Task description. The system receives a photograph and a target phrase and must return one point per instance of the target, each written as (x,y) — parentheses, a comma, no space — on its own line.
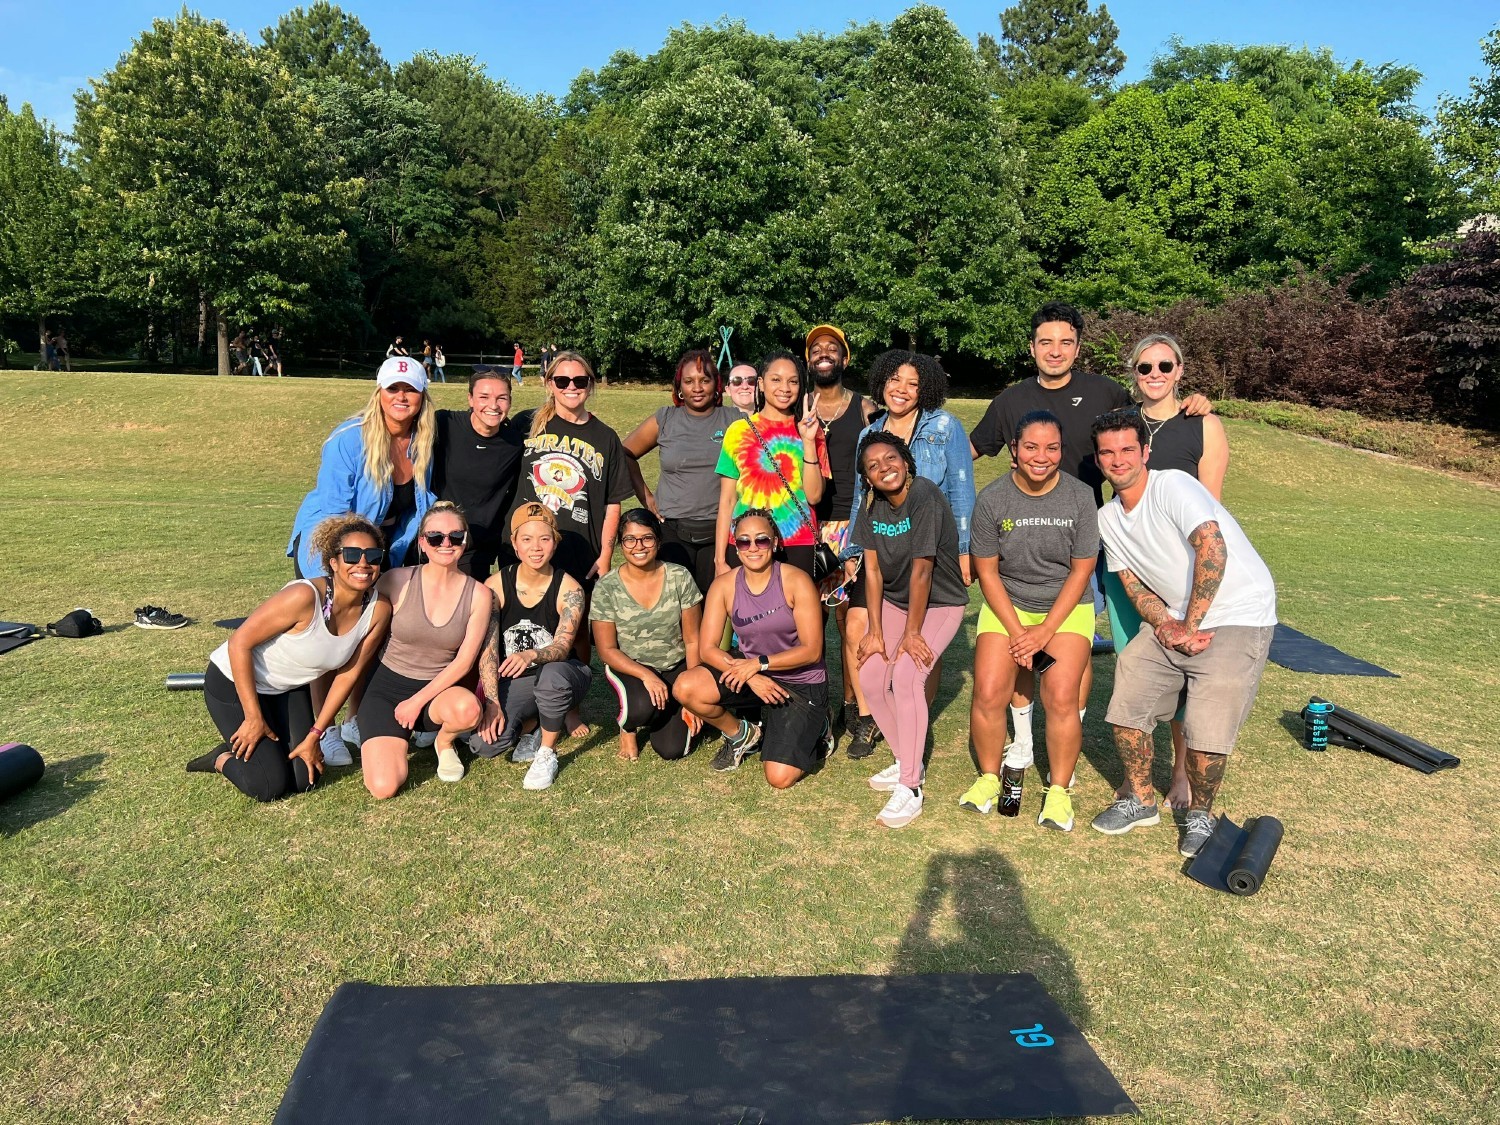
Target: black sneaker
(864,733)
(733,752)
(155,617)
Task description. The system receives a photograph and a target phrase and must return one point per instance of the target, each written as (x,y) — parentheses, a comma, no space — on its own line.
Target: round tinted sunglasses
(741,380)
(1166,367)
(759,542)
(352,555)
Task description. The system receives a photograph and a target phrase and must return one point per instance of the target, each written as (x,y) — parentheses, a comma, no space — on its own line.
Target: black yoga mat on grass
(1301,653)
(755,1049)
(1235,860)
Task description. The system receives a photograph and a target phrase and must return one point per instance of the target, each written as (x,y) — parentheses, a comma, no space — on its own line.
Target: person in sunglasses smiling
(274,687)
(427,672)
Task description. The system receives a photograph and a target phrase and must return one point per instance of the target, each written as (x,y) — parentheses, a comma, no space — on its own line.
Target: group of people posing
(456,569)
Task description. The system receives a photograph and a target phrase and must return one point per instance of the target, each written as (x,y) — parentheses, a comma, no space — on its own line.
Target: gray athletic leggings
(546,695)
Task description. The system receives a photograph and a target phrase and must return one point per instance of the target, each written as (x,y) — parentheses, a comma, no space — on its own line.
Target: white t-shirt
(1151,541)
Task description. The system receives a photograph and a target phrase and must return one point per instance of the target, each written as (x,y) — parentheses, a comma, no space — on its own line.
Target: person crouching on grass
(778,619)
(425,678)
(527,668)
(645,618)
(278,682)
(916,595)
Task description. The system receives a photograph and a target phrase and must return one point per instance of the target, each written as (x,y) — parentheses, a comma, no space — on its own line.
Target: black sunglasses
(759,542)
(577,382)
(742,380)
(353,555)
(1166,367)
(435,538)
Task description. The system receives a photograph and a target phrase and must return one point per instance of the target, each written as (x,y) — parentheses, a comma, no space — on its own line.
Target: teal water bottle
(1315,724)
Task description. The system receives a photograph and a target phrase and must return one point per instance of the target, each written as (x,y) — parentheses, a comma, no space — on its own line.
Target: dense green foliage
(921,188)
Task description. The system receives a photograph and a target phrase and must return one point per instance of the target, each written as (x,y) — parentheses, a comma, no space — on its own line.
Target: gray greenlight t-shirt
(688,444)
(1036,538)
(923,527)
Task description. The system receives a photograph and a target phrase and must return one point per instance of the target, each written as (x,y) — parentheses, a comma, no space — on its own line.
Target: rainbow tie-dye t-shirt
(747,461)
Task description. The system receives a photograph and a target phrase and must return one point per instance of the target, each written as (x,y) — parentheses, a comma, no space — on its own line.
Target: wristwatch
(765,663)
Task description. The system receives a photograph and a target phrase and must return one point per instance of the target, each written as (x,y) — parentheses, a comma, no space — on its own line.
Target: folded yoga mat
(1235,860)
(1302,653)
(14,634)
(758,1049)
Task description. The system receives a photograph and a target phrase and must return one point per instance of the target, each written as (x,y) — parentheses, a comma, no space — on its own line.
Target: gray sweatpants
(546,695)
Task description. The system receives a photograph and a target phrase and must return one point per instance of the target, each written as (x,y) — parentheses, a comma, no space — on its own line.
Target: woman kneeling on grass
(645,618)
(527,666)
(915,590)
(778,619)
(425,679)
(280,679)
(1035,539)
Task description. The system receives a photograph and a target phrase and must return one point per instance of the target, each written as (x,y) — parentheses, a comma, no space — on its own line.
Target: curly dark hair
(932,380)
(884,437)
(329,535)
(1057,311)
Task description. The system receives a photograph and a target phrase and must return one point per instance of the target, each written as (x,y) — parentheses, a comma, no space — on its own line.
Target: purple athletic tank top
(765,626)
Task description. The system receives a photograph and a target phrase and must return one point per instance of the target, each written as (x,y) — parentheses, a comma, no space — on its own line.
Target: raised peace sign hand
(808,425)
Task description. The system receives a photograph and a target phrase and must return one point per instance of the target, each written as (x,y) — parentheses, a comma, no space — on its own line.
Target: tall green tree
(324,41)
(706,221)
(1468,129)
(40,273)
(1066,39)
(926,227)
(203,179)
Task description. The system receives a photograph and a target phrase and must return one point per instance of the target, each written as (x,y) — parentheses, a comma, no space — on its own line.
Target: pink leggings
(896,691)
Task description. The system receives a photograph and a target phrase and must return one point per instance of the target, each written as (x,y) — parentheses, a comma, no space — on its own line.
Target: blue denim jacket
(941,450)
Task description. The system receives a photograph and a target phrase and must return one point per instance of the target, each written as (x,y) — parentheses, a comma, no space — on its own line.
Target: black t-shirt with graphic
(1076,405)
(479,473)
(922,527)
(577,471)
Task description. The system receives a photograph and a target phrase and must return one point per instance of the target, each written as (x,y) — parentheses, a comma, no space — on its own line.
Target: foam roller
(21,767)
(185,681)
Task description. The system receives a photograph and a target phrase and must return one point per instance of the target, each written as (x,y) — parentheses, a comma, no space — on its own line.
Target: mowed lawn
(166,945)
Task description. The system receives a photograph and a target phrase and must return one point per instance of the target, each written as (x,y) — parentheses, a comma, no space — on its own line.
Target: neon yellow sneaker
(982,795)
(1057,810)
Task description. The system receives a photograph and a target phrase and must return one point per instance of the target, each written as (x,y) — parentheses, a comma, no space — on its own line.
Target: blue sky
(54,46)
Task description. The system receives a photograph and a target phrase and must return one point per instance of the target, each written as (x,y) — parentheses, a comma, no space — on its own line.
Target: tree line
(917,188)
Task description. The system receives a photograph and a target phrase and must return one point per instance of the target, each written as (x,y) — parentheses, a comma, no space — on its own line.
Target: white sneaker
(1018,757)
(527,746)
(904,807)
(335,753)
(450,765)
(350,731)
(887,779)
(424,739)
(543,771)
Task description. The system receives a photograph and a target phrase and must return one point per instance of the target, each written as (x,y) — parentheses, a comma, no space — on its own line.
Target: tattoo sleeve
(1152,609)
(1211,555)
(1135,749)
(569,618)
(489,658)
(1205,775)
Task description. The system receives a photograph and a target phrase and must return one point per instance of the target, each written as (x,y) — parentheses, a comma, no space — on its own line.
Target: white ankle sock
(1020,719)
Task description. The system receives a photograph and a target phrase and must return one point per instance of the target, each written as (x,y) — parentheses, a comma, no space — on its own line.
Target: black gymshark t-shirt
(477,473)
(1076,405)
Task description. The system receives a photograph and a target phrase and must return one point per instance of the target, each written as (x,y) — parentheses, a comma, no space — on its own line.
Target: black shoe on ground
(155,617)
(863,733)
(204,763)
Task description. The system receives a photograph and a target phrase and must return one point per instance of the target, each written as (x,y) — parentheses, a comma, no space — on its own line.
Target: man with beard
(843,413)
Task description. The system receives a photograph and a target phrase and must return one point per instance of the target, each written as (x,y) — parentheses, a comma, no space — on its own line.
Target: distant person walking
(427,364)
(60,352)
(516,361)
(440,362)
(273,355)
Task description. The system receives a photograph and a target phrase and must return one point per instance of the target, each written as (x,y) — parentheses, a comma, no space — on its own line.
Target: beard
(830,377)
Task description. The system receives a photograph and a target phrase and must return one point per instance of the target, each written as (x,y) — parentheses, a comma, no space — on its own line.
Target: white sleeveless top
(295,659)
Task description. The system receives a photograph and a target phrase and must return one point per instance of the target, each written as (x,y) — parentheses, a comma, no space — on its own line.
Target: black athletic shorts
(791,732)
(377,710)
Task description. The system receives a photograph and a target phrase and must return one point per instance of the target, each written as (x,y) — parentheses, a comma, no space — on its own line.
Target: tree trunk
(911,342)
(202,323)
(222,329)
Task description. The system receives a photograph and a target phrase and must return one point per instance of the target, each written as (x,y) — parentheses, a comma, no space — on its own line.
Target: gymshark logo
(1077,400)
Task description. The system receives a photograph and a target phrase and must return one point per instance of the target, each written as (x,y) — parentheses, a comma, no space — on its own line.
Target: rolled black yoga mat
(185,681)
(21,767)
(838,1049)
(1236,860)
(1343,732)
(1439,758)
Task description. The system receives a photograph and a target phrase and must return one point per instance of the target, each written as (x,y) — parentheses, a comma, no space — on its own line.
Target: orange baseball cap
(824,330)
(532,513)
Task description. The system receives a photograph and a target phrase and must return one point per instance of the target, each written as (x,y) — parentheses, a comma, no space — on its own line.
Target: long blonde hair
(377,441)
(548,410)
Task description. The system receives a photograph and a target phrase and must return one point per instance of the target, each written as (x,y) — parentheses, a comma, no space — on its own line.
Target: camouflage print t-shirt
(652,637)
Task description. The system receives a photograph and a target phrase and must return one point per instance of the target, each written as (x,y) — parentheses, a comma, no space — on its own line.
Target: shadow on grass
(971,917)
(59,790)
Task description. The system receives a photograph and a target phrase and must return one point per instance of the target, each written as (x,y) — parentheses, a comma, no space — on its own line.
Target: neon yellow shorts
(1080,621)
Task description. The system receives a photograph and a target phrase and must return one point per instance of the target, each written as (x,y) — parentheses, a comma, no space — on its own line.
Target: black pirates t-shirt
(576,470)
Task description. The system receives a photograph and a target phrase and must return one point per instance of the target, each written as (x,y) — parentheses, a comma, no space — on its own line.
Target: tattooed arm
(1152,609)
(1210,555)
(569,619)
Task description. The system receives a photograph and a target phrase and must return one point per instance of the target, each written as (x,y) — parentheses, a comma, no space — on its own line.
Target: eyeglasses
(1166,367)
(759,542)
(637,540)
(577,382)
(435,538)
(741,380)
(353,555)
(839,595)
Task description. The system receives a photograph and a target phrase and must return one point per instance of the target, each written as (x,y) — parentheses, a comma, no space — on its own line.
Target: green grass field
(166,945)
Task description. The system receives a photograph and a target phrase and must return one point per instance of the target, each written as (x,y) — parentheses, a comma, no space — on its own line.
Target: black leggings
(667,729)
(690,544)
(269,773)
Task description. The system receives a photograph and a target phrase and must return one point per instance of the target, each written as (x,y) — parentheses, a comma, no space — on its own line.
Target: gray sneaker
(527,746)
(1125,814)
(1197,827)
(733,752)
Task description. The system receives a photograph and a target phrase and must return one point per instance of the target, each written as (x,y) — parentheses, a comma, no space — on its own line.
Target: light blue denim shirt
(941,450)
